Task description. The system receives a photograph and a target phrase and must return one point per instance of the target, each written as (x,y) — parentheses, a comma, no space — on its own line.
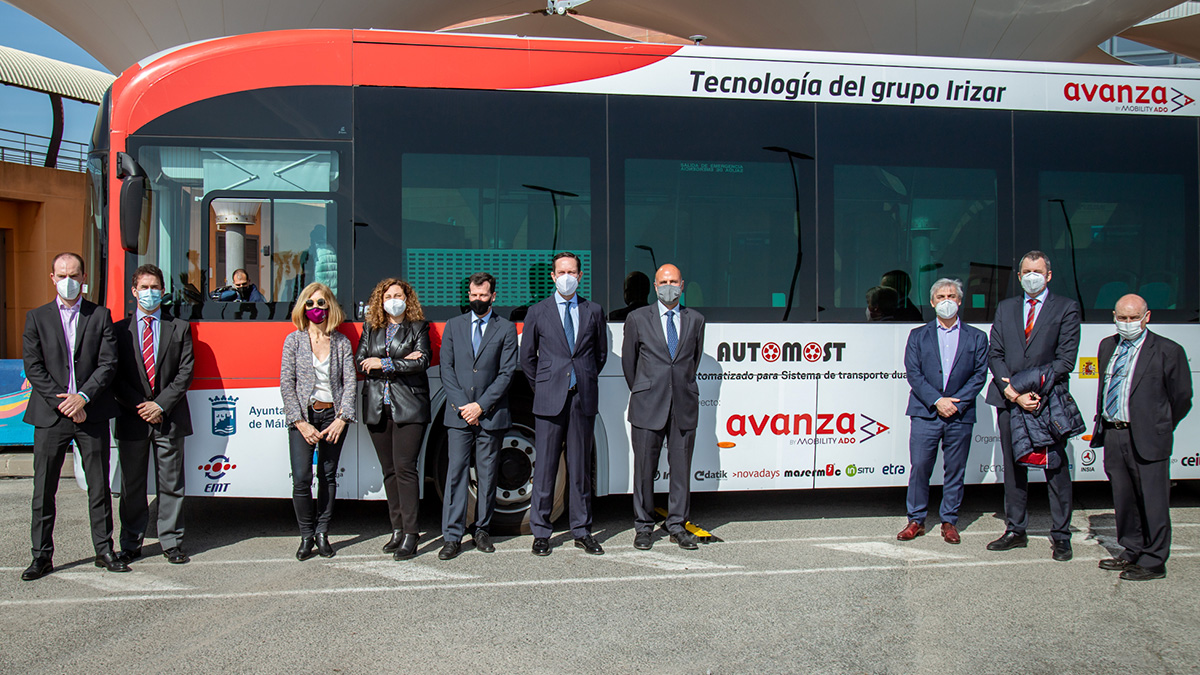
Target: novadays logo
(224,415)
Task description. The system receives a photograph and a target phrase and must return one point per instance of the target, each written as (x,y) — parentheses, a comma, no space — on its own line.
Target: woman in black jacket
(394,355)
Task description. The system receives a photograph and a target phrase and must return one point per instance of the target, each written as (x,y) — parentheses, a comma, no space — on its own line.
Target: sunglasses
(319,302)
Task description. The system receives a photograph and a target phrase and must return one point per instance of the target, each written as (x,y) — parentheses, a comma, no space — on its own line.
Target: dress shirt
(69,315)
(1037,309)
(947,347)
(486,318)
(1127,383)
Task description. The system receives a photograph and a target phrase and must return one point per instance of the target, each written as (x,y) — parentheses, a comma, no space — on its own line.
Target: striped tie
(1029,321)
(148,350)
(1112,398)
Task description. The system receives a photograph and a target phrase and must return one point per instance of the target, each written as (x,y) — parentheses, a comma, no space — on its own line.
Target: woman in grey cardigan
(317,381)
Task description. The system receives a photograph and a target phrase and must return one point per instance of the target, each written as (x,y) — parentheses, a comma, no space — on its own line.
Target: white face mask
(1130,330)
(394,306)
(149,299)
(68,288)
(946,309)
(1033,283)
(566,284)
(668,294)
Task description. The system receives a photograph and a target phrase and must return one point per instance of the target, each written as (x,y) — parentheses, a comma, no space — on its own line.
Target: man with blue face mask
(1145,391)
(154,373)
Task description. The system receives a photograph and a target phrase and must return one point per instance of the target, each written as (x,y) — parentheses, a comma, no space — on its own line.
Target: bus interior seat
(1158,295)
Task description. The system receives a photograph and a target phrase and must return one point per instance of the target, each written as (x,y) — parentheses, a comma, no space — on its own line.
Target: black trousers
(50,445)
(484,446)
(398,446)
(1141,500)
(314,517)
(647,447)
(169,478)
(574,428)
(1016,486)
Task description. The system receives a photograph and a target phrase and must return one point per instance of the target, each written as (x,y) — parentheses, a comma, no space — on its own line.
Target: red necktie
(148,350)
(1029,321)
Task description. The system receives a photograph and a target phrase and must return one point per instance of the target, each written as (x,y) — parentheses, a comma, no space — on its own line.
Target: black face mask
(480,307)
(243,292)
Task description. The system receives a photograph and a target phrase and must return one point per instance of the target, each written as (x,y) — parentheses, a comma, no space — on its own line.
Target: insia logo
(1127,93)
(216,469)
(780,351)
(805,426)
(224,415)
(1087,457)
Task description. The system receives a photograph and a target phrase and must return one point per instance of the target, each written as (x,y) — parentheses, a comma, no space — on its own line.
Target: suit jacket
(657,383)
(407,383)
(173,363)
(44,350)
(546,360)
(483,378)
(1160,395)
(1054,339)
(298,378)
(968,372)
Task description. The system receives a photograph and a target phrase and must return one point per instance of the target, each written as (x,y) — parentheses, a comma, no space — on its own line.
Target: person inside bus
(881,303)
(636,290)
(317,382)
(946,364)
(241,290)
(394,354)
(899,281)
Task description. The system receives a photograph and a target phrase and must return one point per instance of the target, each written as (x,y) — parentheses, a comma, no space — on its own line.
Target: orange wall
(43,212)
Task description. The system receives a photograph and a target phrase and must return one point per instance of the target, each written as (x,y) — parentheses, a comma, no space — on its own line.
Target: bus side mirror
(133,194)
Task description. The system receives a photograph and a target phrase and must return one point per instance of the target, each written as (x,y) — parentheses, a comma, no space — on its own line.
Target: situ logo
(1136,94)
(808,429)
(224,415)
(215,469)
(780,351)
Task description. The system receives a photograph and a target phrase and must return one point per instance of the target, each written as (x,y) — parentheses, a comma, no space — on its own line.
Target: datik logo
(224,415)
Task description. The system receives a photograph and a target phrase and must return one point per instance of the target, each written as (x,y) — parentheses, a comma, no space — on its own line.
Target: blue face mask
(149,299)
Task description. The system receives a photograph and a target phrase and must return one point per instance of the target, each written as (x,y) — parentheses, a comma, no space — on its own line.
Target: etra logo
(224,415)
(217,467)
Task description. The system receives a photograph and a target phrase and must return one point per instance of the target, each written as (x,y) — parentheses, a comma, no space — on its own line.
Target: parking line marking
(894,551)
(404,572)
(130,582)
(662,561)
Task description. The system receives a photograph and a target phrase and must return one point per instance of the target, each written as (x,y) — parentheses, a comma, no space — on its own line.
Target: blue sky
(27,111)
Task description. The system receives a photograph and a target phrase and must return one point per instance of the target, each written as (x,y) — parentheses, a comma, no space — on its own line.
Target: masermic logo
(215,469)
(780,351)
(224,415)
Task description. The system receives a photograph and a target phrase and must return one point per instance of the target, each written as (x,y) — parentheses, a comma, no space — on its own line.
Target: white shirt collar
(663,309)
(486,318)
(1040,297)
(157,314)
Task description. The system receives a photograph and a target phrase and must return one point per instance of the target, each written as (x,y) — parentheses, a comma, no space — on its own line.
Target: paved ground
(802,582)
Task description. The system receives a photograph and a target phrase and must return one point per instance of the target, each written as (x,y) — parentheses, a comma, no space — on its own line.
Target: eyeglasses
(319,302)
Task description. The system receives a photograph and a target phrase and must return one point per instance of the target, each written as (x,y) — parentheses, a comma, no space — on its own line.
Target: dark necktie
(569,327)
(477,336)
(672,334)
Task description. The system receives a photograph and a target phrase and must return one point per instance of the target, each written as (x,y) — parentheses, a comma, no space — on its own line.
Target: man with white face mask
(1032,330)
(564,346)
(946,365)
(660,355)
(1145,390)
(70,357)
(155,370)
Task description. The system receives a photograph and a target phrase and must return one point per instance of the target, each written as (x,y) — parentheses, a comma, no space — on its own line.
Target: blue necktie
(1112,398)
(477,336)
(569,326)
(672,334)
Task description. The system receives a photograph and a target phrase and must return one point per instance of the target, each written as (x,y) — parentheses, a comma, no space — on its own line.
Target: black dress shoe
(128,555)
(1062,550)
(541,546)
(408,547)
(394,542)
(111,563)
(589,544)
(1009,541)
(642,541)
(450,551)
(685,540)
(176,556)
(306,549)
(1115,564)
(323,548)
(483,541)
(1139,573)
(37,569)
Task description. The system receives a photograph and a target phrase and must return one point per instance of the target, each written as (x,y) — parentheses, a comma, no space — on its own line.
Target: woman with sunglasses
(394,354)
(317,382)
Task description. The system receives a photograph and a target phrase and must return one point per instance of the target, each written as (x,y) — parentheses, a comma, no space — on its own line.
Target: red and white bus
(786,185)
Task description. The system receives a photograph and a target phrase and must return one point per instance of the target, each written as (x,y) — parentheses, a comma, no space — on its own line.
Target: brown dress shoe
(913,531)
(950,534)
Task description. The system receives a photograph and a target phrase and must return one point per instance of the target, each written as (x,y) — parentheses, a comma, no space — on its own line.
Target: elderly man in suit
(478,358)
(154,372)
(563,349)
(1035,329)
(946,363)
(1145,390)
(70,357)
(661,353)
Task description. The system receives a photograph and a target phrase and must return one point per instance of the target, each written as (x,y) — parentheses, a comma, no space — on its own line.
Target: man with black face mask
(478,359)
(246,291)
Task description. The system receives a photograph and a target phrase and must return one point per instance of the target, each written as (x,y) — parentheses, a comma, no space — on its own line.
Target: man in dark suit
(70,359)
(563,350)
(1032,330)
(1145,390)
(660,355)
(154,372)
(478,358)
(946,363)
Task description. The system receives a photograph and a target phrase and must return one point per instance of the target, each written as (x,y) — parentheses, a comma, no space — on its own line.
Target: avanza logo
(780,351)
(1127,93)
(808,429)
